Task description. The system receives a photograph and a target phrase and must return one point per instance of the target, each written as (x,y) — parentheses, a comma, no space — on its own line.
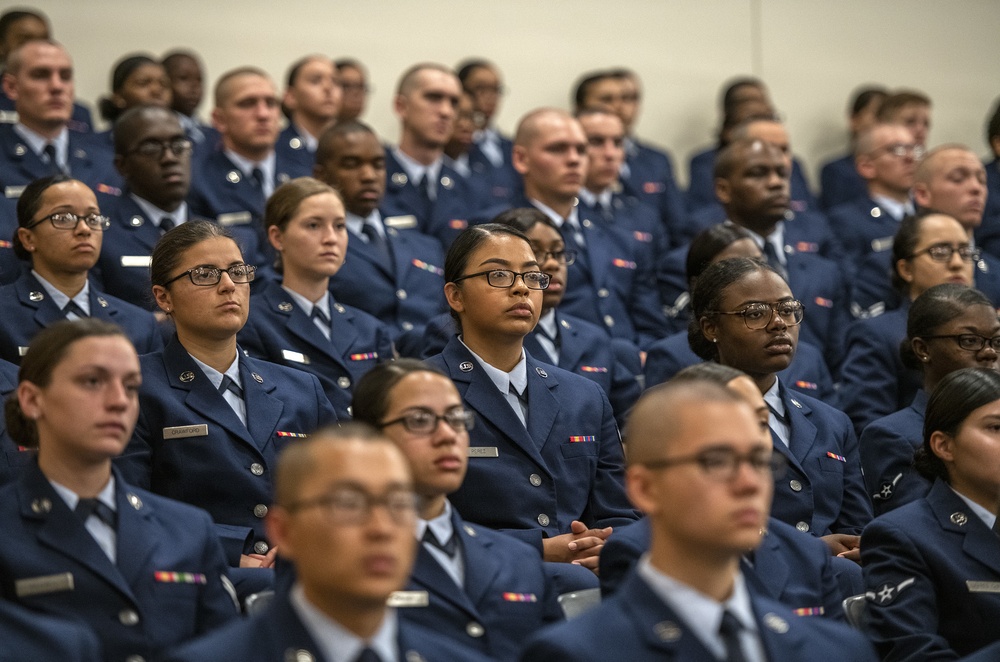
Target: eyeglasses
(943,252)
(722,464)
(970,342)
(569,257)
(67,220)
(207,276)
(422,421)
(350,505)
(758,315)
(533,280)
(154,149)
(901,149)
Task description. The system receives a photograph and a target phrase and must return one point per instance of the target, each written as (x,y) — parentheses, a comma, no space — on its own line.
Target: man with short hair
(343,516)
(153,156)
(310,102)
(910,108)
(354,89)
(392,270)
(608,285)
(839,178)
(886,157)
(232,183)
(418,182)
(700,470)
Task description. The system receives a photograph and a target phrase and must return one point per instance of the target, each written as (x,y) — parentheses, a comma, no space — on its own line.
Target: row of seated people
(721,576)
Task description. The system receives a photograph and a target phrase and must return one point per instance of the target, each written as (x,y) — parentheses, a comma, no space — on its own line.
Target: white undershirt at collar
(155,214)
(104,535)
(267,168)
(238,404)
(443,529)
(37,143)
(518,376)
(82,298)
(417,171)
(355,223)
(335,642)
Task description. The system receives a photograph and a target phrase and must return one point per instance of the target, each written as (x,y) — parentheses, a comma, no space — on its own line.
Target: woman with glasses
(212,419)
(932,566)
(668,356)
(296,321)
(949,327)
(60,231)
(80,540)
(546,457)
(928,250)
(744,316)
(466,570)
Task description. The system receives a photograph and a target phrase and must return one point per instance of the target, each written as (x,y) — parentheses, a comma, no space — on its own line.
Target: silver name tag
(136,261)
(182,431)
(483,451)
(13,191)
(982,587)
(21,350)
(44,584)
(234,218)
(401,222)
(8,116)
(408,599)
(297,357)
(883,244)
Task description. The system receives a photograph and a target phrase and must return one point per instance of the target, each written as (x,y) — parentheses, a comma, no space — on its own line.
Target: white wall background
(812,54)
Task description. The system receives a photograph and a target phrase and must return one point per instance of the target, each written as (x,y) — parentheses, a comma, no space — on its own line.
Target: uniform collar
(335,642)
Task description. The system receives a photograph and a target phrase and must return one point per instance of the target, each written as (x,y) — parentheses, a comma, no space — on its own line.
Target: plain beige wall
(812,54)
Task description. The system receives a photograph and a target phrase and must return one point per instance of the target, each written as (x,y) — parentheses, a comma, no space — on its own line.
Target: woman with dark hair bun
(80,542)
(932,566)
(744,316)
(546,461)
(137,80)
(928,250)
(60,233)
(667,356)
(949,327)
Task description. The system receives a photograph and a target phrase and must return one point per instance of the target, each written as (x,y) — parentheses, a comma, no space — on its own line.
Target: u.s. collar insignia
(446,182)
(667,631)
(134,501)
(468,529)
(20,150)
(776,623)
(136,221)
(339,308)
(541,373)
(102,302)
(35,296)
(186,376)
(399,179)
(796,403)
(959,518)
(465,366)
(257,378)
(40,506)
(233,177)
(285,307)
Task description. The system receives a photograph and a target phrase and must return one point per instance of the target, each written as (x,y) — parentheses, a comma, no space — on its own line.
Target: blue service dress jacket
(279,331)
(567,465)
(864,228)
(294,153)
(28,308)
(792,568)
(840,181)
(277,634)
(822,491)
(635,624)
(80,121)
(169,582)
(633,221)
(507,593)
(403,293)
(29,635)
(807,372)
(12,456)
(649,176)
(887,448)
(123,268)
(443,217)
(874,381)
(190,445)
(932,570)
(490,185)
(988,233)
(221,192)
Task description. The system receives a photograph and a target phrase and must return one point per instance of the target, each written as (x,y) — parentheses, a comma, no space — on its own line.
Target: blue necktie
(87,507)
(729,630)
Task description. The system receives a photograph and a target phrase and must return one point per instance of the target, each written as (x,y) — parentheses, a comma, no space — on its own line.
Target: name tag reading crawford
(44,584)
(408,599)
(137,261)
(982,587)
(483,451)
(183,431)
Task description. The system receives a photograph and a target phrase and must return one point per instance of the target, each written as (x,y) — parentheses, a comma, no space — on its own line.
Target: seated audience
(187,89)
(839,179)
(310,102)
(354,89)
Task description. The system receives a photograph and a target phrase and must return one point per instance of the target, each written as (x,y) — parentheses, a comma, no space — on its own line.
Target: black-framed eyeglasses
(67,220)
(154,149)
(759,314)
(970,342)
(423,421)
(902,149)
(943,252)
(351,505)
(722,464)
(206,276)
(568,257)
(533,280)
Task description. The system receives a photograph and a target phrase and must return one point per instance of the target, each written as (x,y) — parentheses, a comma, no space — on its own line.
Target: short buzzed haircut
(324,146)
(927,166)
(16,57)
(896,101)
(729,157)
(527,128)
(223,85)
(408,80)
(296,461)
(131,119)
(648,432)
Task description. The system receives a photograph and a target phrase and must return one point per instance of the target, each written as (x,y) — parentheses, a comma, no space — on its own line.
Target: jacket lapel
(542,403)
(802,431)
(138,535)
(570,351)
(481,565)
(954,515)
(768,563)
(31,293)
(263,409)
